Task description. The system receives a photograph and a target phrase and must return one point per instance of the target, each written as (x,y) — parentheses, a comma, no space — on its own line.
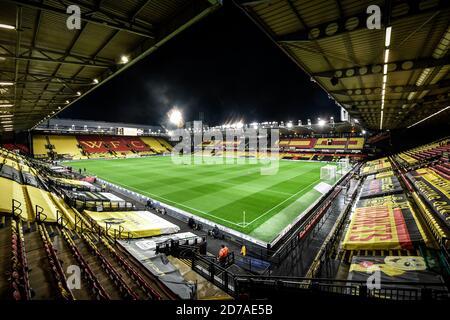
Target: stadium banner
(72,182)
(383,223)
(435,190)
(111,196)
(376,166)
(134,224)
(397,269)
(385,174)
(380,175)
(378,187)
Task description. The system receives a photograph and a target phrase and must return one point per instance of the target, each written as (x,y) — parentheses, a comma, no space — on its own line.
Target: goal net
(328,172)
(344,166)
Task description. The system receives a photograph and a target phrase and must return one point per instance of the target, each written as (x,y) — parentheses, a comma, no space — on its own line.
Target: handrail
(97,288)
(235,285)
(120,283)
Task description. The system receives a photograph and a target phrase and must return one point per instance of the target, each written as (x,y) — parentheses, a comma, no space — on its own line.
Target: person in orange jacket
(223,254)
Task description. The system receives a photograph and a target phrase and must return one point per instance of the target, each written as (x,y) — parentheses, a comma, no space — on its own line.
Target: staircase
(41,278)
(5,262)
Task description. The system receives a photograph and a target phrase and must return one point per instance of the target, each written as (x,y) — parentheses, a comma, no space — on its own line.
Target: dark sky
(223,66)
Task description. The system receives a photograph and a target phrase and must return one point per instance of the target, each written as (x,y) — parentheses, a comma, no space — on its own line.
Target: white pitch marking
(281,203)
(182,205)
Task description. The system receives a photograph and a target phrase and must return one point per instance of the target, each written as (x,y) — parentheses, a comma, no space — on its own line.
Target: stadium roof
(329,39)
(45,67)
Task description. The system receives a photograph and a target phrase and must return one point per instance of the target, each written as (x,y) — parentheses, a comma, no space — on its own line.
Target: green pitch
(233,195)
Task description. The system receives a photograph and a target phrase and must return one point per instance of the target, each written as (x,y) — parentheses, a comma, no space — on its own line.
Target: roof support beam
(61,82)
(17,51)
(395,66)
(97,9)
(40,76)
(88,63)
(184,18)
(112,21)
(399,102)
(47,52)
(250,2)
(358,22)
(392,89)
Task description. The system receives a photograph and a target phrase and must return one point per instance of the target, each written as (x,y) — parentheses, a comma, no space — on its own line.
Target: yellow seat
(39,143)
(355,143)
(322,143)
(43,199)
(66,145)
(154,144)
(12,190)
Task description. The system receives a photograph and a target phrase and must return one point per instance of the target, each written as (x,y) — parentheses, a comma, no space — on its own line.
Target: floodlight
(124,59)
(175,117)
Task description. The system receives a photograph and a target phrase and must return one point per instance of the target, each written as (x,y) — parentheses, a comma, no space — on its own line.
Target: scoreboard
(129,132)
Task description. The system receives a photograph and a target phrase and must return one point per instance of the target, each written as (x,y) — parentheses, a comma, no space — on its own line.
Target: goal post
(344,165)
(328,172)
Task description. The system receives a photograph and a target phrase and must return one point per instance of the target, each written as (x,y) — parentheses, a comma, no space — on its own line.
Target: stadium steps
(40,275)
(104,279)
(187,262)
(123,272)
(5,262)
(164,293)
(67,259)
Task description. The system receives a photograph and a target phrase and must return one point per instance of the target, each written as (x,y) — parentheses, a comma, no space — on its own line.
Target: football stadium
(151,150)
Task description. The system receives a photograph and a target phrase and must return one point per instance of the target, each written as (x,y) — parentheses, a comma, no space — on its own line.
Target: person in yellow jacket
(243,250)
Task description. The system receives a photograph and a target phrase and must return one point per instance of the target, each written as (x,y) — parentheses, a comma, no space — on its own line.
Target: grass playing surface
(220,192)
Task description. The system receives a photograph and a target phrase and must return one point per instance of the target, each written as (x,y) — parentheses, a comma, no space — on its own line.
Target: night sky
(223,66)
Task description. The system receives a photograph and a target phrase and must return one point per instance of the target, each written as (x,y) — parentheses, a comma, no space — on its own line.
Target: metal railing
(268,286)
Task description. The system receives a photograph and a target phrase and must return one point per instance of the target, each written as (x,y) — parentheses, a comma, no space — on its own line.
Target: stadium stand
(355,143)
(66,146)
(385,220)
(165,144)
(92,144)
(154,144)
(331,143)
(76,147)
(434,189)
(16,146)
(302,143)
(384,223)
(45,214)
(426,152)
(375,166)
(39,146)
(283,143)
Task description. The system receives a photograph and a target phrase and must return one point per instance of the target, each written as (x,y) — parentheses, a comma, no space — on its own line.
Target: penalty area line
(279,204)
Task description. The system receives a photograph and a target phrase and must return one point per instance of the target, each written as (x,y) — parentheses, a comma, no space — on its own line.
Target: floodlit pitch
(235,195)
